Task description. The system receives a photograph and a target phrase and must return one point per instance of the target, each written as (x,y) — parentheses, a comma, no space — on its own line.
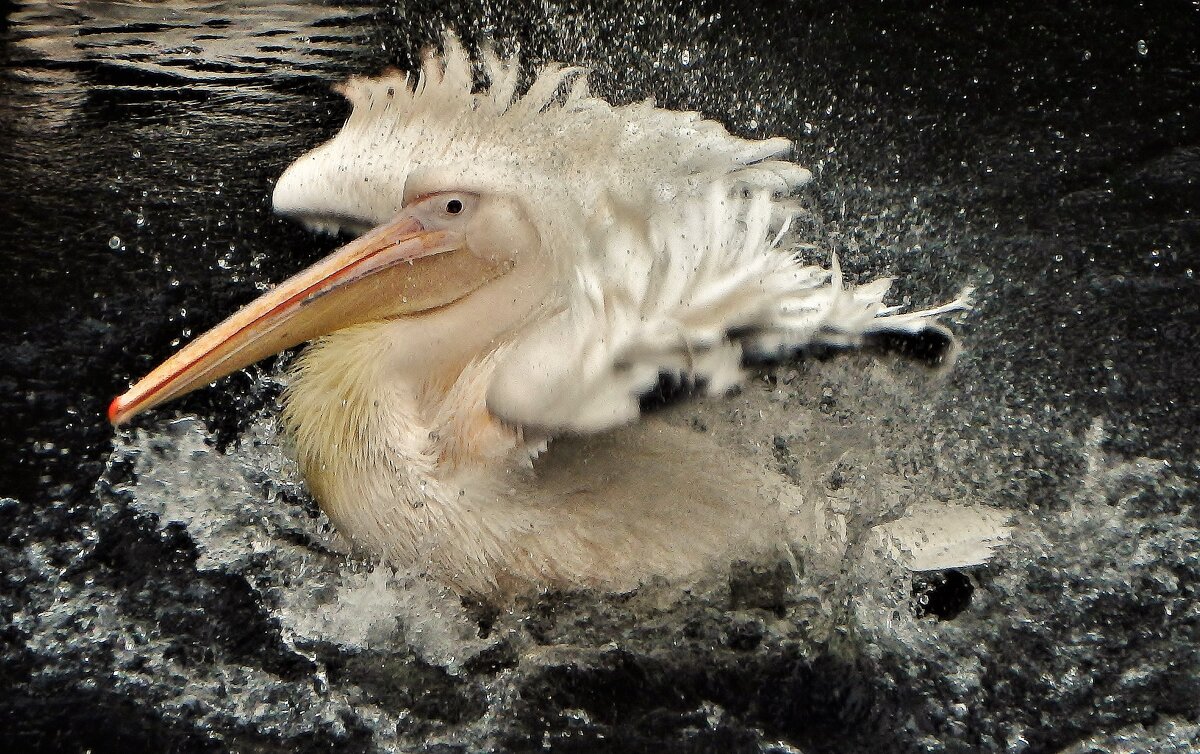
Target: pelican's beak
(396,269)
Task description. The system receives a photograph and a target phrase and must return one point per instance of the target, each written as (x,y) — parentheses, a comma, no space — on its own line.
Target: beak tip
(114,412)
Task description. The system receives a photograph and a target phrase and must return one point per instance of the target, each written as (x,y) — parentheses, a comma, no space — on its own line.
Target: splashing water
(366,653)
(248,515)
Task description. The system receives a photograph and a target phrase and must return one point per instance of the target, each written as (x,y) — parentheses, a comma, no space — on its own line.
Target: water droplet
(137,153)
(1142,48)
(114,242)
(685,57)
(140,220)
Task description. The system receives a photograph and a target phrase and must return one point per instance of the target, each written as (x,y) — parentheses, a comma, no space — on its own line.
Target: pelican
(529,264)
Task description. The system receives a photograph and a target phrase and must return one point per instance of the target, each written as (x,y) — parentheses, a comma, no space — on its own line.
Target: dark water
(1047,153)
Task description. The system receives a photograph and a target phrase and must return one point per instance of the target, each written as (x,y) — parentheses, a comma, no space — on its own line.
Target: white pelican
(534,263)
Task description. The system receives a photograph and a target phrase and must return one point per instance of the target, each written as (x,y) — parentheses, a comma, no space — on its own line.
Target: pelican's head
(476,207)
(439,249)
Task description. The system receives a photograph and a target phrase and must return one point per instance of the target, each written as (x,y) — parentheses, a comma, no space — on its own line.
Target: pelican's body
(445,484)
(537,262)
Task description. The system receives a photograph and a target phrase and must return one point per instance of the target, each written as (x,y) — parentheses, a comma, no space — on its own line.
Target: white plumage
(570,253)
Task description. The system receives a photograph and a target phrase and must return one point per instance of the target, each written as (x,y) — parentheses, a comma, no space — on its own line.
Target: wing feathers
(936,536)
(691,293)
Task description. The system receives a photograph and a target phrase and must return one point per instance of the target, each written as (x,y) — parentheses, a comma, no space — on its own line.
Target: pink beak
(396,269)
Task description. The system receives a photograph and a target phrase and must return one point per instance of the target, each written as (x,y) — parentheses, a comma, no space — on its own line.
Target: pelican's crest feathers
(555,143)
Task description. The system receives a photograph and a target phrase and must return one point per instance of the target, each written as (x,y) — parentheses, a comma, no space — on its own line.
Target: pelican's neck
(389,455)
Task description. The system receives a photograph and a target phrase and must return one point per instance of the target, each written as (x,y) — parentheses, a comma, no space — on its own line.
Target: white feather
(684,294)
(569,151)
(937,536)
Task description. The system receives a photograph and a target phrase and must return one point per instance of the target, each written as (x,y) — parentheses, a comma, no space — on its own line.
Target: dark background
(1046,152)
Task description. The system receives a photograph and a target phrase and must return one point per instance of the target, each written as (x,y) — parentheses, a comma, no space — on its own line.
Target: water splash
(248,515)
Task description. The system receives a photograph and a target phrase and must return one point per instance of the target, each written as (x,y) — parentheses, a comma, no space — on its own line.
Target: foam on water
(248,515)
(1091,610)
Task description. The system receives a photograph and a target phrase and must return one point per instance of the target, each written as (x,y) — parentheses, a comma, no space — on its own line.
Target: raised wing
(690,293)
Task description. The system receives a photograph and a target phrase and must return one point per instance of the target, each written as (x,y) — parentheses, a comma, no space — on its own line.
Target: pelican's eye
(444,209)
